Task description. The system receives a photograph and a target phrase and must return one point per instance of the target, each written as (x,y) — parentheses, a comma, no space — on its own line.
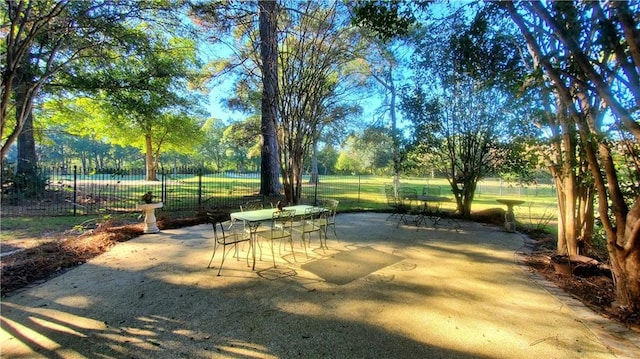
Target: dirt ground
(28,261)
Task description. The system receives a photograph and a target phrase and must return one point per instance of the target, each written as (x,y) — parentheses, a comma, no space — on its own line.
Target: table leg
(253,234)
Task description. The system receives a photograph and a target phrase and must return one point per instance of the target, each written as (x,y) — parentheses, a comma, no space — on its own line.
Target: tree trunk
(313,179)
(564,145)
(625,259)
(567,240)
(27,160)
(623,231)
(467,198)
(389,85)
(394,130)
(270,166)
(150,168)
(621,224)
(297,179)
(292,162)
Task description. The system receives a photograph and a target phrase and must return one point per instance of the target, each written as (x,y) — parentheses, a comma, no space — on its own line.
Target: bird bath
(510,217)
(149,210)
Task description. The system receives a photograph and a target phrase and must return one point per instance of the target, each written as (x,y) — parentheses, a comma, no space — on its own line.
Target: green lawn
(355,193)
(29,227)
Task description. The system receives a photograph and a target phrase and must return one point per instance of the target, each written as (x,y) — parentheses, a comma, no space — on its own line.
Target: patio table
(253,219)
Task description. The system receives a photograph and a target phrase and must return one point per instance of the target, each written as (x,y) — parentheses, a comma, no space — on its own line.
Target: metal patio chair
(281,229)
(311,222)
(225,238)
(329,220)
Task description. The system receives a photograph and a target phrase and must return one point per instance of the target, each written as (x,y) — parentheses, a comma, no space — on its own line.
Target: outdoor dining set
(411,208)
(257,224)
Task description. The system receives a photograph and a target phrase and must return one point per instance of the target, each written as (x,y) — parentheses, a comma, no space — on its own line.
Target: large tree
(589,53)
(369,152)
(269,179)
(460,134)
(315,80)
(211,152)
(26,23)
(244,36)
(389,24)
(311,48)
(384,67)
(44,38)
(142,88)
(461,107)
(242,144)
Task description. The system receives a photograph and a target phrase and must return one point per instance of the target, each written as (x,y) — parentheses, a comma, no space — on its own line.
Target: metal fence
(81,191)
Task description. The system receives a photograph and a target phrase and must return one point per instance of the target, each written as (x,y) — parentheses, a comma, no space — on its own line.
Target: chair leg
(292,251)
(224,254)
(325,231)
(333,228)
(304,244)
(215,246)
(259,246)
(249,251)
(273,255)
(290,244)
(418,220)
(222,262)
(235,251)
(323,246)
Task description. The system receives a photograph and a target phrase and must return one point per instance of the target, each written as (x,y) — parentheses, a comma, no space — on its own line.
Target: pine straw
(38,264)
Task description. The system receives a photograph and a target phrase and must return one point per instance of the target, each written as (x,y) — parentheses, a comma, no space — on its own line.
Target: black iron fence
(79,191)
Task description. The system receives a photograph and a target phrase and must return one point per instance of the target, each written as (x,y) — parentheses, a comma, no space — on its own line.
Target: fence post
(75,189)
(359,188)
(315,190)
(163,186)
(200,187)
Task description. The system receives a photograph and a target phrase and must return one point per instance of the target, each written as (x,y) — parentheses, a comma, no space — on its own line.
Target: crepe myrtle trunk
(464,192)
(625,259)
(314,178)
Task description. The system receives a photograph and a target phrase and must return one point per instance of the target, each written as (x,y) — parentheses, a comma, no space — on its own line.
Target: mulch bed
(594,287)
(38,264)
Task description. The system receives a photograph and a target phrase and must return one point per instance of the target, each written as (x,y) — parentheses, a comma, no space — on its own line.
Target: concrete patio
(448,294)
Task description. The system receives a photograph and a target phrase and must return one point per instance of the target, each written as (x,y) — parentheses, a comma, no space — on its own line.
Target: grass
(29,227)
(355,193)
(186,190)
